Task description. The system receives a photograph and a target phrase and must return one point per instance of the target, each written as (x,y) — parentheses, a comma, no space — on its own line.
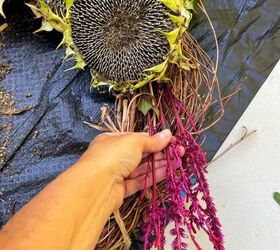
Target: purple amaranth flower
(189,213)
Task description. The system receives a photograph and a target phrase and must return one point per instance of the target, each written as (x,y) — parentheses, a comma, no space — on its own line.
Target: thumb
(157,142)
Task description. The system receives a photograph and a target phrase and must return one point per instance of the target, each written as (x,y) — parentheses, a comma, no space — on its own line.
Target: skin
(71,211)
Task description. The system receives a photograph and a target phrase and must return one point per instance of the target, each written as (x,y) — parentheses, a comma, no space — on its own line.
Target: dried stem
(125,236)
(231,146)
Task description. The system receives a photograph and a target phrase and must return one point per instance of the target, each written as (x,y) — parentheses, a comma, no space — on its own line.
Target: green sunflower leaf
(276,197)
(145,104)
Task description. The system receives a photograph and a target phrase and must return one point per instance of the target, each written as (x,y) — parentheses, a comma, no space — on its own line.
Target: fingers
(157,156)
(134,185)
(161,155)
(181,151)
(160,161)
(136,180)
(142,169)
(149,144)
(155,143)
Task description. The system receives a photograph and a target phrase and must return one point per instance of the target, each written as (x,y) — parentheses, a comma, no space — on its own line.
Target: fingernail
(165,134)
(181,151)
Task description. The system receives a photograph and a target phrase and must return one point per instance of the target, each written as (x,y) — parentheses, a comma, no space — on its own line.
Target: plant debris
(231,146)
(35,134)
(6,128)
(3,27)
(3,149)
(7,104)
(6,101)
(5,69)
(38,152)
(16,111)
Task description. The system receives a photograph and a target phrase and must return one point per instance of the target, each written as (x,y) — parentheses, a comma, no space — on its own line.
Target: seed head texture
(119,39)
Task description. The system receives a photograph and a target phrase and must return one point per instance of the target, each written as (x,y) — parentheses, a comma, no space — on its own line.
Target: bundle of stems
(189,103)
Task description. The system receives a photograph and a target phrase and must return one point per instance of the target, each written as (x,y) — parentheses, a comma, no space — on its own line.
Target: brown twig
(231,146)
(125,236)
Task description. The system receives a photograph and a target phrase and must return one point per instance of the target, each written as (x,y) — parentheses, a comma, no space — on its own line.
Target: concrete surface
(243,181)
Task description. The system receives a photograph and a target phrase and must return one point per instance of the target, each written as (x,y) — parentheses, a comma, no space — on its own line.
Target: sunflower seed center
(122,29)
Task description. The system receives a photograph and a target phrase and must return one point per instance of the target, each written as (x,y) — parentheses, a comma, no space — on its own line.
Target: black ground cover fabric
(51,136)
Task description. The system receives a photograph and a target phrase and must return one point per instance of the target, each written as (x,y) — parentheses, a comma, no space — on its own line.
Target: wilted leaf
(178,20)
(46,26)
(36,11)
(158,68)
(185,66)
(69,53)
(188,17)
(54,20)
(172,37)
(80,63)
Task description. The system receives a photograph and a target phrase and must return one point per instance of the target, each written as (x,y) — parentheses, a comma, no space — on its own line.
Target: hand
(73,209)
(121,153)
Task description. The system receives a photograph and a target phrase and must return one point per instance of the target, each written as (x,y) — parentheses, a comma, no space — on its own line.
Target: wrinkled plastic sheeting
(249,40)
(49,138)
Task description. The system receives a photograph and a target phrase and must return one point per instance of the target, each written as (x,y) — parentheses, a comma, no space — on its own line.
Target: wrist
(100,175)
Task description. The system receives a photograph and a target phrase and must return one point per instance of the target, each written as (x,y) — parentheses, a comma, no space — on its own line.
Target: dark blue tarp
(50,137)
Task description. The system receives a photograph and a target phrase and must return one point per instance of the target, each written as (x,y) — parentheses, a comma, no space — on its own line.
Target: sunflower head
(125,43)
(120,39)
(57,6)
